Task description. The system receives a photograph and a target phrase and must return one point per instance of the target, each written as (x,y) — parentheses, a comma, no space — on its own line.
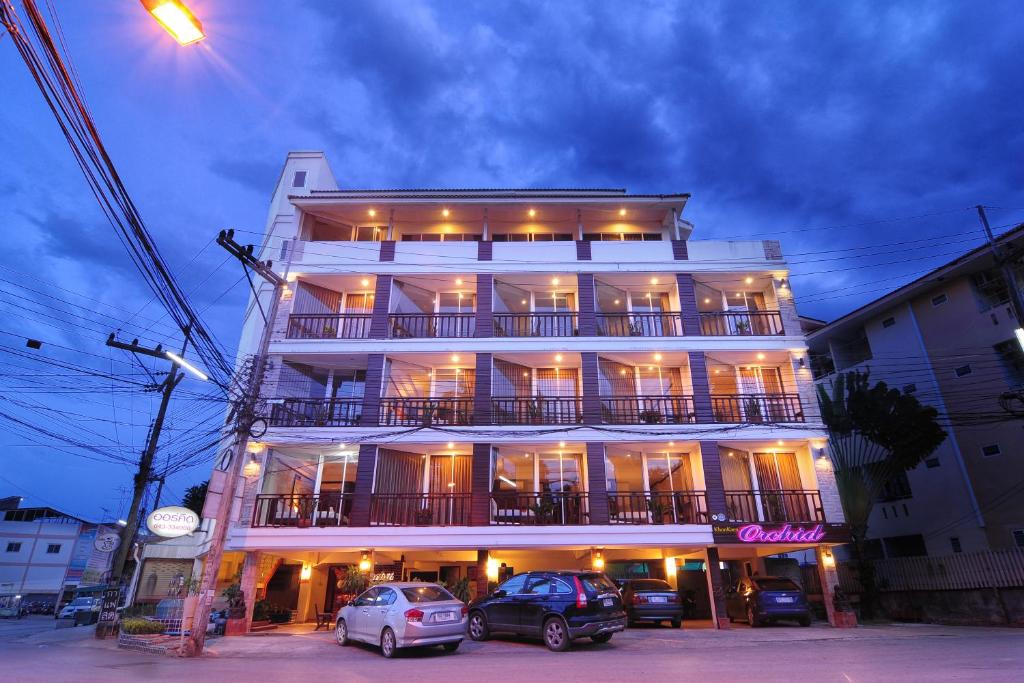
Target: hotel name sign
(780,533)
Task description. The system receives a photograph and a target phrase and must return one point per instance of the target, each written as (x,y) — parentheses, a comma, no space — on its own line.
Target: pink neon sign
(755,533)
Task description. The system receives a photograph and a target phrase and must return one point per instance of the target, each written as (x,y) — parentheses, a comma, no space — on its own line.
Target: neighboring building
(464,384)
(46,554)
(948,338)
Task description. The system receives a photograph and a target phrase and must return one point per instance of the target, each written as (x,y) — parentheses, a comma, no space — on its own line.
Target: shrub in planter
(136,626)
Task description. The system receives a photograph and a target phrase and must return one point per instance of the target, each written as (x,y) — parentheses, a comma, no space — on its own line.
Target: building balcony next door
(793,506)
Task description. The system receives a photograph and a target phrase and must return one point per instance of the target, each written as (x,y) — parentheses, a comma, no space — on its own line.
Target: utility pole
(144,474)
(1008,276)
(243,417)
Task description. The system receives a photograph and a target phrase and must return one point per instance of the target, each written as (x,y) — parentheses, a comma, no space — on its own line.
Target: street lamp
(176,19)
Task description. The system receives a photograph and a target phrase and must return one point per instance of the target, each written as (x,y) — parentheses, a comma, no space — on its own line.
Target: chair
(323,619)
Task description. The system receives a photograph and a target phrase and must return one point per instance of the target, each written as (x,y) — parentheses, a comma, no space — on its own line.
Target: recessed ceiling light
(458,281)
(451,445)
(372,212)
(558,358)
(654,280)
(445,212)
(749,280)
(561,444)
(365,282)
(622,212)
(657,356)
(455,358)
(555,280)
(532,213)
(707,301)
(760,356)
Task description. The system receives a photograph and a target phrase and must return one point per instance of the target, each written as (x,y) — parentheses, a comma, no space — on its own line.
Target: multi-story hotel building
(463,384)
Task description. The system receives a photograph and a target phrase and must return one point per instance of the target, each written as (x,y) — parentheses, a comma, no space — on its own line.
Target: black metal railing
(302,510)
(423,412)
(419,509)
(537,410)
(741,323)
(790,505)
(431,325)
(336,326)
(755,408)
(670,507)
(651,410)
(315,412)
(664,324)
(539,509)
(535,325)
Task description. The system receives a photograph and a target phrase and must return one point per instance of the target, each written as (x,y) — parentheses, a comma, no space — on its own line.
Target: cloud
(253,174)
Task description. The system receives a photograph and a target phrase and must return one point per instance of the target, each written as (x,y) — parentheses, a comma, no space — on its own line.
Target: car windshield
(426,594)
(78,602)
(776,585)
(650,585)
(599,583)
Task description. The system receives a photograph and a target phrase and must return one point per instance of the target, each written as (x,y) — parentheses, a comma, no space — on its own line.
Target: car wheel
(556,635)
(452,647)
(341,633)
(478,627)
(388,644)
(601,637)
(677,623)
(805,621)
(752,618)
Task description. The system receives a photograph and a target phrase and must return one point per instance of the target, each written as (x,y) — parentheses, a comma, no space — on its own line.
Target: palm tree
(875,434)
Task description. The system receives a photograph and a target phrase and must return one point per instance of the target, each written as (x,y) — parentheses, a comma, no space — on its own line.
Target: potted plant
(742,327)
(352,583)
(752,410)
(657,510)
(459,589)
(236,625)
(330,332)
(424,516)
(650,416)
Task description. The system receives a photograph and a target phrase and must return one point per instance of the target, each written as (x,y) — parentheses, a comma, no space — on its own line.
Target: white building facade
(463,384)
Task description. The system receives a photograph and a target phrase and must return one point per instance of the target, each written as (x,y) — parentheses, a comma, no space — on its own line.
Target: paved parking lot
(872,653)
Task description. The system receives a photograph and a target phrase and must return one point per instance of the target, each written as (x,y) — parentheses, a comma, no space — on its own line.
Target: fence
(986,569)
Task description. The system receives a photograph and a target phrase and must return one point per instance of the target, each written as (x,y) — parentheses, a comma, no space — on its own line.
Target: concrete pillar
(716,589)
(250,568)
(829,577)
(481,572)
(303,606)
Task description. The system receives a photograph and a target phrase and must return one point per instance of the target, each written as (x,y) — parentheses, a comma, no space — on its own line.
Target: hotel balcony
(427,389)
(731,305)
(332,307)
(302,510)
(773,481)
(329,395)
(638,306)
(645,389)
(651,507)
(793,505)
(431,307)
(535,306)
(531,390)
(541,485)
(753,388)
(655,483)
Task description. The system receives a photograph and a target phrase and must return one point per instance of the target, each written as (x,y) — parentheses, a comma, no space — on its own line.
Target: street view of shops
(422,340)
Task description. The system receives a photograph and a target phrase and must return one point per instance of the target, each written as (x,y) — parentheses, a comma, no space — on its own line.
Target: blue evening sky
(835,126)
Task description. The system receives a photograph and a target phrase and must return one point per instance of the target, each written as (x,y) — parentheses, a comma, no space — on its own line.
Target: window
(14,547)
(299,179)
(622,236)
(910,388)
(561,587)
(990,289)
(905,546)
(532,237)
(931,463)
(888,322)
(773,584)
(1011,359)
(53,548)
(954,543)
(1018,537)
(386,596)
(369,233)
(514,585)
(939,300)
(963,371)
(426,594)
(990,450)
(896,487)
(540,585)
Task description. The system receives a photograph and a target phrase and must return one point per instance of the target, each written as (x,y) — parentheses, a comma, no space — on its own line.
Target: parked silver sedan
(397,615)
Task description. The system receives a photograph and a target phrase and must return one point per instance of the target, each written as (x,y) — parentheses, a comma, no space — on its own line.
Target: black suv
(558,606)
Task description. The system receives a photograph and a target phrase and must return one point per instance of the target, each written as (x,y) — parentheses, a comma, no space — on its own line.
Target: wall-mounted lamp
(783,283)
(492,569)
(670,567)
(306,572)
(365,564)
(597,560)
(828,558)
(252,468)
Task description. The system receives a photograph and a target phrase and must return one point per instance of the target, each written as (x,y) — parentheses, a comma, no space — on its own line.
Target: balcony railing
(665,324)
(302,510)
(336,326)
(652,410)
(539,509)
(537,410)
(423,412)
(675,507)
(419,509)
(741,323)
(535,325)
(756,408)
(316,412)
(431,325)
(774,506)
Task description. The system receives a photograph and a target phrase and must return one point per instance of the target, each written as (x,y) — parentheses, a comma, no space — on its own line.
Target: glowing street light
(176,19)
(185,364)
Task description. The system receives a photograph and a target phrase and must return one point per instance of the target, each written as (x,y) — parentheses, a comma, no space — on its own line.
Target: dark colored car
(557,606)
(762,599)
(651,600)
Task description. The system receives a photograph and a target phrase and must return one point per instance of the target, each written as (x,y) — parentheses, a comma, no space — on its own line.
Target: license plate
(444,616)
(783,599)
(658,598)
(607,602)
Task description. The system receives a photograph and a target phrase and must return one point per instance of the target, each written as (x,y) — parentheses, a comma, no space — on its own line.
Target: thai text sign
(172,521)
